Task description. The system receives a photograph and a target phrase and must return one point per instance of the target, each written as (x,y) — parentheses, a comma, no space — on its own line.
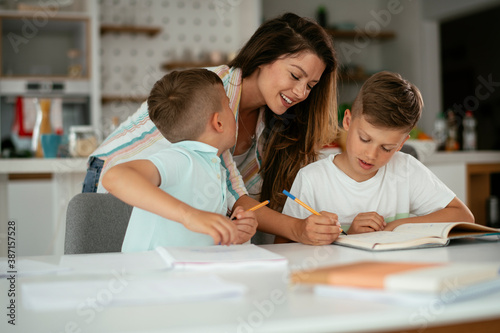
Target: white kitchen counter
(42,165)
(469,157)
(45,221)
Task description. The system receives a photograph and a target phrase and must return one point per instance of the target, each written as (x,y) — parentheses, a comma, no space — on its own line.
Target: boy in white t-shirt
(372,186)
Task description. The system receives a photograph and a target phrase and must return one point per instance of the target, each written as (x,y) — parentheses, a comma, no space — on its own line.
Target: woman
(282,90)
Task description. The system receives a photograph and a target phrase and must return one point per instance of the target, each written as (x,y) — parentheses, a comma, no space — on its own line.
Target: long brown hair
(292,139)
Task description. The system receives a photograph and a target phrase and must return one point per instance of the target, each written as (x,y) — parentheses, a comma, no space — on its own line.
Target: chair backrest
(410,150)
(95,223)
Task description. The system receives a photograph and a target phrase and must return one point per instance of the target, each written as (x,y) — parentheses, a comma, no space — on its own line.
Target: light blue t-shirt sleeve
(172,166)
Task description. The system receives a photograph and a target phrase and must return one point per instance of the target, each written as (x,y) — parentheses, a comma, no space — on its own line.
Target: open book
(415,235)
(220,256)
(403,281)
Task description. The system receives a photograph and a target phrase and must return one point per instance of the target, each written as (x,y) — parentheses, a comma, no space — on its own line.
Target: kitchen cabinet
(57,48)
(35,194)
(50,51)
(468,174)
(46,51)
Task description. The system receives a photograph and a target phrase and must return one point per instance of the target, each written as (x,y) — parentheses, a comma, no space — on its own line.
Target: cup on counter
(50,144)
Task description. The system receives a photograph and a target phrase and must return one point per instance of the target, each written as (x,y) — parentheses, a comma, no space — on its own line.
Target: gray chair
(95,223)
(409,150)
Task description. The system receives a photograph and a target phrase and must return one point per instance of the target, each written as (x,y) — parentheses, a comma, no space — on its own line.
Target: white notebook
(121,289)
(220,256)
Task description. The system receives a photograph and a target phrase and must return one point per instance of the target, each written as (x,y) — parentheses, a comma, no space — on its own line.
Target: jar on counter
(82,141)
(492,212)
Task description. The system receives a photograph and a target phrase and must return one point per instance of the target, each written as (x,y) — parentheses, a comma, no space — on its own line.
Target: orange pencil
(262,204)
(288,194)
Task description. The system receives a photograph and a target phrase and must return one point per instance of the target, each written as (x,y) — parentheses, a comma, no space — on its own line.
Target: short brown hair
(181,103)
(389,101)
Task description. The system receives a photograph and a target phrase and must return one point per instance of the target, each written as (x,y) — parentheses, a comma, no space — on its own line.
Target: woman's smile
(286,101)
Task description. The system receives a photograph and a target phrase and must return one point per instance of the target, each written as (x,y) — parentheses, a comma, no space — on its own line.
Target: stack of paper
(404,280)
(121,289)
(220,257)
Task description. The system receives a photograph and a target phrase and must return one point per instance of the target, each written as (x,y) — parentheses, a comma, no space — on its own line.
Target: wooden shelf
(150,31)
(105,99)
(351,34)
(347,78)
(479,188)
(187,64)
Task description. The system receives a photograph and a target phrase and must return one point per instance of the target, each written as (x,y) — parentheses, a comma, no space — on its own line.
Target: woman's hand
(217,226)
(320,229)
(246,224)
(367,222)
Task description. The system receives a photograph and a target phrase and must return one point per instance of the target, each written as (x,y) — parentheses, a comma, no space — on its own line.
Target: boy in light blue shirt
(179,194)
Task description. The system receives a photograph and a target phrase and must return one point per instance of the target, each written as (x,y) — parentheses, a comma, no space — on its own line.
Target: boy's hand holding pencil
(317,231)
(246,222)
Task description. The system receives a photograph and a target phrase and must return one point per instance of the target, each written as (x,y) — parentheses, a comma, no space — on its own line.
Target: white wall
(338,11)
(132,63)
(414,52)
(372,54)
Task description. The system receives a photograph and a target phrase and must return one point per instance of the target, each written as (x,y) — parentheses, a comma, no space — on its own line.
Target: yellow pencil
(262,204)
(288,194)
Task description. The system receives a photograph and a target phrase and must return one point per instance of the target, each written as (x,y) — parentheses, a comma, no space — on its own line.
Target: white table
(271,305)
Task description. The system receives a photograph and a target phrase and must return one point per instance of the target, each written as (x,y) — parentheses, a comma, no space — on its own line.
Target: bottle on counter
(492,212)
(440,131)
(469,134)
(321,16)
(452,140)
(42,125)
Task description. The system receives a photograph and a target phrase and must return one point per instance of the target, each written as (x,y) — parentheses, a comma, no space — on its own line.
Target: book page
(447,230)
(386,240)
(427,229)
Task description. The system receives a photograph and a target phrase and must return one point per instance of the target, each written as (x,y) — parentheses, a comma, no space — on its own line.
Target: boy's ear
(346,122)
(216,122)
(402,143)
